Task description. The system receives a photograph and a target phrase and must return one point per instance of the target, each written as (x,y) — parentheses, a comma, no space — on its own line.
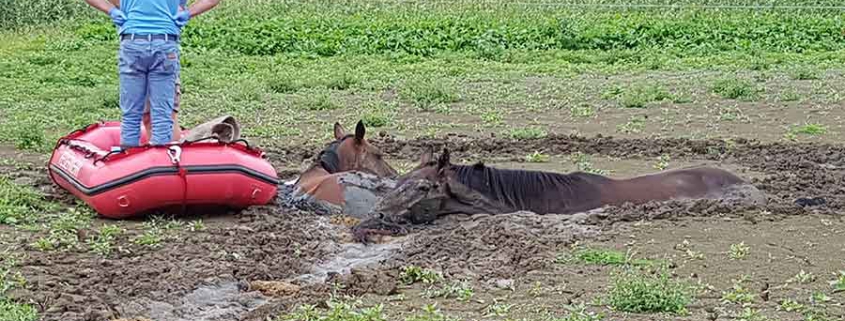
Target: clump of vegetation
(537,157)
(750,314)
(635,125)
(429,94)
(284,84)
(638,291)
(804,73)
(319,101)
(498,309)
(413,274)
(807,129)
(662,162)
(838,284)
(584,164)
(337,311)
(492,118)
(11,279)
(63,229)
(600,256)
(431,313)
(21,203)
(460,290)
(639,96)
(580,313)
(582,110)
(527,133)
(739,251)
(734,88)
(738,294)
(102,243)
(790,305)
(803,277)
(379,114)
(196,225)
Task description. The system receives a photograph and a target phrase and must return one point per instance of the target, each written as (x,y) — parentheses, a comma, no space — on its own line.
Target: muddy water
(218,300)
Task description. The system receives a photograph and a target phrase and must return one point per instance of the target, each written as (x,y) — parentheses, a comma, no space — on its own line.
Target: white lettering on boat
(69,162)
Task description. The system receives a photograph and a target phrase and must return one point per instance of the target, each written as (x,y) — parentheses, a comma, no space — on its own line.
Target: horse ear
(339,132)
(360,131)
(444,160)
(427,156)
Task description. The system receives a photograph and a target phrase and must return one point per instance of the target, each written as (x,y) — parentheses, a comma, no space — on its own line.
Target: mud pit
(214,274)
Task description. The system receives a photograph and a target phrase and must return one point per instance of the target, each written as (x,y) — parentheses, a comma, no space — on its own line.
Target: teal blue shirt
(150,16)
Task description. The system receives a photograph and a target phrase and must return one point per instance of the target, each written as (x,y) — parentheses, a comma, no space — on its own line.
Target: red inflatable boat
(137,180)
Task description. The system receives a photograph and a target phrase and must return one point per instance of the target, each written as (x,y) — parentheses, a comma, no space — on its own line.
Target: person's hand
(117,16)
(182,18)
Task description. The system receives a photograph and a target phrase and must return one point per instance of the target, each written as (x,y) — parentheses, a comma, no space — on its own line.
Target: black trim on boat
(158,171)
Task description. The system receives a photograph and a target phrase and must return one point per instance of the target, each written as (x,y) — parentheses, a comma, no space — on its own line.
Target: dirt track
(276,244)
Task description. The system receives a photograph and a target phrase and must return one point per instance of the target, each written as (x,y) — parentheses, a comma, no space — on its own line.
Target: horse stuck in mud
(347,177)
(438,187)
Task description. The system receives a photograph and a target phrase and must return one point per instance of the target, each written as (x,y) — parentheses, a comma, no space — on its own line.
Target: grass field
(523,71)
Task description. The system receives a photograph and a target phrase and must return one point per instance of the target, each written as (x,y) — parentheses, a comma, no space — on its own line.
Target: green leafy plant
(636,291)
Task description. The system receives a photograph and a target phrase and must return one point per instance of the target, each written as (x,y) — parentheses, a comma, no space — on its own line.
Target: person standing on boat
(148,61)
(177,98)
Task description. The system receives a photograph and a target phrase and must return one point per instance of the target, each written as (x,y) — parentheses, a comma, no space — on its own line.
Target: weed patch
(734,88)
(21,203)
(597,256)
(585,164)
(640,95)
(429,94)
(414,274)
(527,133)
(336,311)
(640,292)
(537,157)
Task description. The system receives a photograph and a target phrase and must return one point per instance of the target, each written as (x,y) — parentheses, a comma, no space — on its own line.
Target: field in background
(525,72)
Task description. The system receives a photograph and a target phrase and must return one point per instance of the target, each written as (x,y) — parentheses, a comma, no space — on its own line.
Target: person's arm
(201,6)
(102,5)
(115,3)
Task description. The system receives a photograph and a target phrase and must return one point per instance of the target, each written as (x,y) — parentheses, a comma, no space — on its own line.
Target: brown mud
(300,250)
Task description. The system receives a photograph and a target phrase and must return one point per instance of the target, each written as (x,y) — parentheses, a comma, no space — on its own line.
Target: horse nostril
(424,188)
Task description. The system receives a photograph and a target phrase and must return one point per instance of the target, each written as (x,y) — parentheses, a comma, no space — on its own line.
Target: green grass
(585,163)
(838,284)
(337,311)
(281,68)
(599,256)
(637,291)
(526,133)
(429,94)
(734,88)
(413,274)
(21,203)
(103,241)
(640,95)
(537,157)
(635,124)
(11,279)
(738,294)
(61,230)
(739,251)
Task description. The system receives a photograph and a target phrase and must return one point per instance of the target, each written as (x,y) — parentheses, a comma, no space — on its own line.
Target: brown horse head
(352,152)
(432,189)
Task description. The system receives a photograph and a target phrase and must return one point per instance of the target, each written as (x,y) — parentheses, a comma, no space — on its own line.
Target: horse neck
(530,190)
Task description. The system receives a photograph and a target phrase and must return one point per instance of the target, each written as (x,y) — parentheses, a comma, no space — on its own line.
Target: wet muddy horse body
(437,188)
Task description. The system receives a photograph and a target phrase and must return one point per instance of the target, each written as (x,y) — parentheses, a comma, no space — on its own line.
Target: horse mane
(526,189)
(328,158)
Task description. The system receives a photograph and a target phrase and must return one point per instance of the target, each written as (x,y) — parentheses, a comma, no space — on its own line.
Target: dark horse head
(352,152)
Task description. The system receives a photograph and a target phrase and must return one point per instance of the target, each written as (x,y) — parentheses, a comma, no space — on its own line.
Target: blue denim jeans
(147,67)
